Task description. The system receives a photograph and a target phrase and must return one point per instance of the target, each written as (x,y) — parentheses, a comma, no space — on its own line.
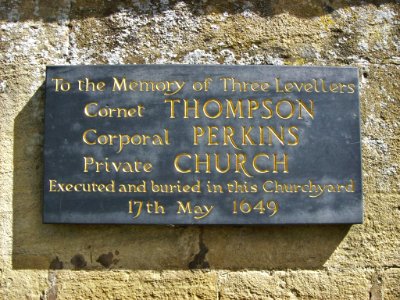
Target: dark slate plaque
(200,144)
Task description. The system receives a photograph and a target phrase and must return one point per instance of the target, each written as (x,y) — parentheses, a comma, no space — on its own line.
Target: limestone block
(137,285)
(391,287)
(23,284)
(375,243)
(295,285)
(380,112)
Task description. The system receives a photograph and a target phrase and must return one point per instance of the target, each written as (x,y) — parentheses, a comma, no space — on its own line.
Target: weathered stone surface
(360,262)
(139,285)
(44,10)
(375,243)
(391,287)
(131,247)
(260,247)
(5,240)
(23,284)
(32,43)
(380,112)
(295,285)
(279,32)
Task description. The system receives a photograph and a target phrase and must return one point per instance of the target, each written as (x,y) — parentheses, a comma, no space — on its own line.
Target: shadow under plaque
(145,247)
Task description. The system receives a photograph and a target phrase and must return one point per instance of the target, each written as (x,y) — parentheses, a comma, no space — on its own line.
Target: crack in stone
(70,38)
(51,292)
(375,293)
(199,261)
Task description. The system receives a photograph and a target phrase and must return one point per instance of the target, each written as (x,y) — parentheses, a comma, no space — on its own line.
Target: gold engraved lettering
(266,105)
(253,105)
(229,133)
(280,111)
(256,166)
(61,85)
(195,108)
(309,110)
(283,162)
(212,135)
(123,140)
(90,164)
(90,86)
(235,110)
(280,137)
(206,110)
(229,109)
(234,85)
(198,131)
(172,106)
(293,132)
(240,164)
(166,87)
(198,211)
(218,164)
(177,160)
(246,136)
(200,162)
(92,111)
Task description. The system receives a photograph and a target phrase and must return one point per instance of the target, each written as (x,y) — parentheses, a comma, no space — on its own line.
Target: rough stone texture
(122,262)
(140,284)
(295,285)
(391,287)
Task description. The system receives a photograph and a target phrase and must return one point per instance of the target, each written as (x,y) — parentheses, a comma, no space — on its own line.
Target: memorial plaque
(202,144)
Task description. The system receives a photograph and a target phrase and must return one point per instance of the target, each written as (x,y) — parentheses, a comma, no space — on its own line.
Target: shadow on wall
(47,246)
(52,11)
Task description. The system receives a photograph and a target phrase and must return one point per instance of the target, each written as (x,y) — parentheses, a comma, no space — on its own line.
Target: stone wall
(191,262)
